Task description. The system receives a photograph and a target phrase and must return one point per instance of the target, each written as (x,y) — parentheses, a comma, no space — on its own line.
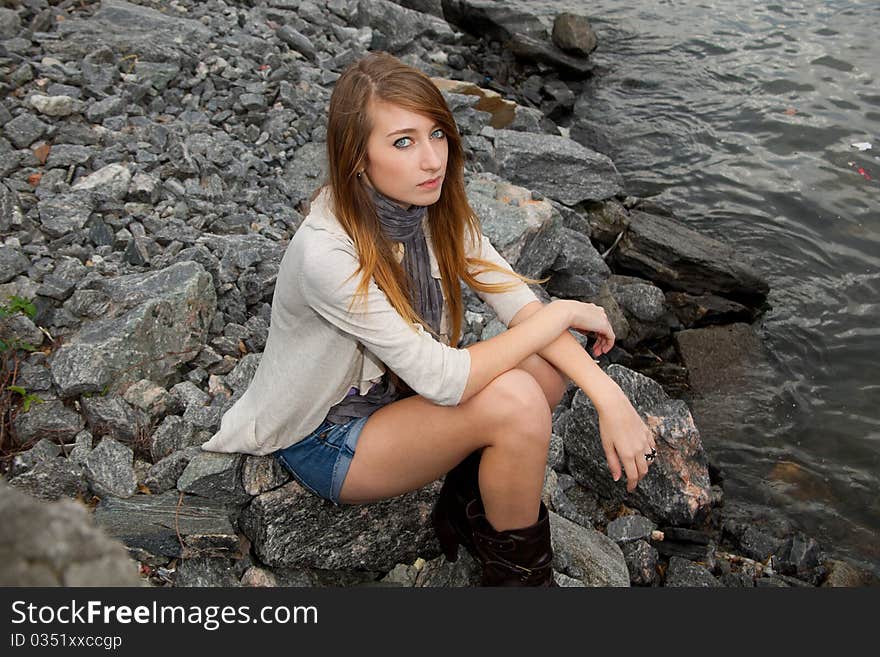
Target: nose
(432,157)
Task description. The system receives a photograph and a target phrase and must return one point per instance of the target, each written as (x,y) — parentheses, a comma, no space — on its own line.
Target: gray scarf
(405,226)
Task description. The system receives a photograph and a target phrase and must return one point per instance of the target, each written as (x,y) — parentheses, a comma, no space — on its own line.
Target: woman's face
(404,150)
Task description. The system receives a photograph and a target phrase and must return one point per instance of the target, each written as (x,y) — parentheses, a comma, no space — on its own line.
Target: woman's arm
(572,360)
(625,437)
(491,358)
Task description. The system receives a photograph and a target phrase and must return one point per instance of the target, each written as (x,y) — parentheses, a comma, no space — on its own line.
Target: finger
(642,465)
(651,440)
(632,474)
(613,461)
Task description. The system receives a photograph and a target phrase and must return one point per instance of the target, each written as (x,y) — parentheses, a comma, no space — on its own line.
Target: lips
(426,182)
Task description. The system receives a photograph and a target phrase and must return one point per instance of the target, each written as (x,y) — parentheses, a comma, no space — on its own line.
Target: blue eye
(437,134)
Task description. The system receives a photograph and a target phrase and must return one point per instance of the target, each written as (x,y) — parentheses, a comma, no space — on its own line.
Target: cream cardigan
(316,350)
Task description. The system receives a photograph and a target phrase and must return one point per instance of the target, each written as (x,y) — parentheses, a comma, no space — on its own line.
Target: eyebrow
(405,130)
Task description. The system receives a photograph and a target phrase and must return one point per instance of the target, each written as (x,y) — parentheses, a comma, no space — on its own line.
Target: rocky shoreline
(156,158)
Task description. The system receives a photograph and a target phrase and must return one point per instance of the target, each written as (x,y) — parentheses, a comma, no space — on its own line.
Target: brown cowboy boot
(460,486)
(514,557)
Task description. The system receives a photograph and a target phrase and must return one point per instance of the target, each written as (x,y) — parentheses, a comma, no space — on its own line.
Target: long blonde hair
(382,76)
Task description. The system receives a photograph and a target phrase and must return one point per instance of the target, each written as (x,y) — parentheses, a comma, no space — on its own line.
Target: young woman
(361,391)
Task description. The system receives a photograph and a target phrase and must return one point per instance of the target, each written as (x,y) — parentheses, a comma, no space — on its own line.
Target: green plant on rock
(11,349)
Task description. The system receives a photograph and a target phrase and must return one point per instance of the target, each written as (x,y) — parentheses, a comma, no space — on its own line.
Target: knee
(521,407)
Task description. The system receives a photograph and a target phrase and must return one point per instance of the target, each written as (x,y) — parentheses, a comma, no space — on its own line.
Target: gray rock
(158,321)
(91,304)
(586,555)
(109,183)
(799,556)
(737,580)
(205,571)
(163,475)
(298,42)
(303,173)
(841,573)
(152,523)
(573,34)
(147,396)
(719,357)
(157,74)
(262,473)
(112,416)
(24,461)
(440,573)
(676,490)
(20,329)
(214,475)
(684,573)
(513,222)
(144,188)
(641,300)
(127,27)
(173,434)
(56,287)
(540,50)
(499,21)
(187,395)
(109,469)
(558,167)
(50,419)
(12,263)
(25,129)
(641,561)
(10,23)
(627,529)
(556,453)
(395,27)
(81,448)
(756,544)
(10,215)
(56,105)
(65,213)
(243,373)
(670,254)
(291,527)
(204,417)
(578,271)
(401,575)
(100,110)
(51,479)
(57,544)
(531,119)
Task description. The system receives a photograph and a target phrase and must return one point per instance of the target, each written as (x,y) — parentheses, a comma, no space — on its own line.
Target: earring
(359,174)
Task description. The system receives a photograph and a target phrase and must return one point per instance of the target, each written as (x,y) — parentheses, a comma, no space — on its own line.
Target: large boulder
(555,166)
(676,490)
(171,524)
(512,220)
(57,544)
(291,527)
(125,27)
(155,322)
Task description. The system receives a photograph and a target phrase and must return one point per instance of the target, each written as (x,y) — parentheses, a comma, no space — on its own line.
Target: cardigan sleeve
(432,369)
(505,304)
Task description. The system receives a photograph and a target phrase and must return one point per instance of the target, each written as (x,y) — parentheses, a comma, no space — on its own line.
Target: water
(741,117)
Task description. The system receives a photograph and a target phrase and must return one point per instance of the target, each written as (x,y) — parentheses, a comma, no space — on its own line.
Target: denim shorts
(320,461)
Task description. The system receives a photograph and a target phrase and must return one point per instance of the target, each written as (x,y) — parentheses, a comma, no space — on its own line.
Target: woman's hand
(589,318)
(626,439)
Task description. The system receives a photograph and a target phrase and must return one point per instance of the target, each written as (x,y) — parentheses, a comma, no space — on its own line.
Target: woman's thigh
(412,442)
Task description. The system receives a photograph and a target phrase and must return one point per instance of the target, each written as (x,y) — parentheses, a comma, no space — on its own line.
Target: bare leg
(412,442)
